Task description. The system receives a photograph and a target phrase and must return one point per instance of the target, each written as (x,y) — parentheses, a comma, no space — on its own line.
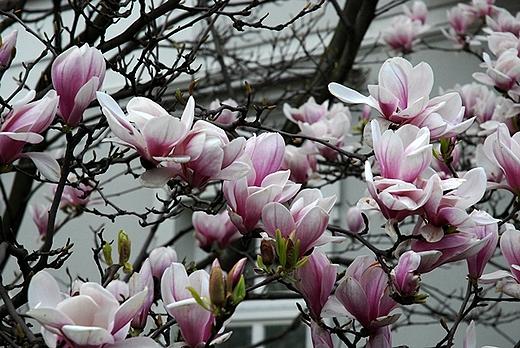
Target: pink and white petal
(145,106)
(188,115)
(351,96)
(135,342)
(276,216)
(44,292)
(234,171)
(157,177)
(83,310)
(46,164)
(199,280)
(119,125)
(162,133)
(83,98)
(233,151)
(28,137)
(127,311)
(334,308)
(354,299)
(311,227)
(87,336)
(52,319)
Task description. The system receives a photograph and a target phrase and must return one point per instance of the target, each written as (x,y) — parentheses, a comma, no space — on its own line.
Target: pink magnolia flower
(301,161)
(502,20)
(397,199)
(364,294)
(77,74)
(74,198)
(499,42)
(502,73)
(460,18)
(8,49)
(33,117)
(91,318)
(194,321)
(148,128)
(355,221)
(308,215)
(315,280)
(211,157)
(510,247)
(402,154)
(40,216)
(418,11)
(161,258)
(403,33)
(310,112)
(449,209)
(504,150)
(22,125)
(485,225)
(452,247)
(138,282)
(214,229)
(333,127)
(481,8)
(402,97)
(478,101)
(405,278)
(247,196)
(266,152)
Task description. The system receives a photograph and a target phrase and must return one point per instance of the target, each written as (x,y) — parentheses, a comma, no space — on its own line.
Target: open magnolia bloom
(402,154)
(510,247)
(364,295)
(308,216)
(194,321)
(92,317)
(402,97)
(22,125)
(147,128)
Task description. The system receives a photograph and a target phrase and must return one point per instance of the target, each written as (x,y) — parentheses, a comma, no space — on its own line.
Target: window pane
(241,337)
(294,338)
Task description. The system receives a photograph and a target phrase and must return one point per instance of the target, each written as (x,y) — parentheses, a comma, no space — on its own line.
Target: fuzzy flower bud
(123,247)
(8,49)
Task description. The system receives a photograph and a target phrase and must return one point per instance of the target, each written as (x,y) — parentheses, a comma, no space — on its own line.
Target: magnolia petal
(277,217)
(157,177)
(43,291)
(85,95)
(350,96)
(127,311)
(87,336)
(354,299)
(46,164)
(135,342)
(52,319)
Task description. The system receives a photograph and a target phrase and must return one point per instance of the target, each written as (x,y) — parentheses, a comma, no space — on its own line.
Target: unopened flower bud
(267,252)
(290,254)
(234,275)
(8,49)
(217,290)
(355,220)
(107,253)
(123,247)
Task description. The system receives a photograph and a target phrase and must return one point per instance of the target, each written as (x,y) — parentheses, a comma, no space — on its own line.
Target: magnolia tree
(118,89)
